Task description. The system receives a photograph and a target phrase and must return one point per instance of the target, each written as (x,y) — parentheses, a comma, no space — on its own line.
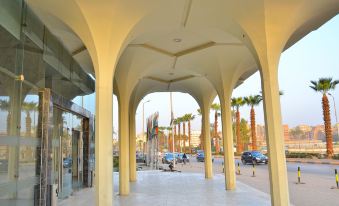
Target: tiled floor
(155,188)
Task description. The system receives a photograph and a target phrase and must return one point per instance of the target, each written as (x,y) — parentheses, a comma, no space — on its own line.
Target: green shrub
(115,161)
(302,155)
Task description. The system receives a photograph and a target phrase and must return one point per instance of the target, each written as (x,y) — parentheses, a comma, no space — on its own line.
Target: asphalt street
(316,188)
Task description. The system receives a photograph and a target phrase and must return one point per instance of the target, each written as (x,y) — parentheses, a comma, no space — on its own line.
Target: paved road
(318,179)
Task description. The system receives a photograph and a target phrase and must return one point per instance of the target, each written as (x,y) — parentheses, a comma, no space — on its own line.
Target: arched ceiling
(192,46)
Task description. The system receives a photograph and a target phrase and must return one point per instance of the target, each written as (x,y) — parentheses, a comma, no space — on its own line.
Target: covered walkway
(171,189)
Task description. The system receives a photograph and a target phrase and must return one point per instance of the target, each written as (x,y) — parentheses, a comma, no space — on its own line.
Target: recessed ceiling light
(177,40)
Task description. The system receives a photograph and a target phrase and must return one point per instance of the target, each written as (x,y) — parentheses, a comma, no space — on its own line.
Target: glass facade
(32,59)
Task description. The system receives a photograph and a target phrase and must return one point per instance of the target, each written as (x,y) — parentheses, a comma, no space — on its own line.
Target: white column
(207,141)
(132,149)
(103,141)
(227,133)
(123,146)
(274,135)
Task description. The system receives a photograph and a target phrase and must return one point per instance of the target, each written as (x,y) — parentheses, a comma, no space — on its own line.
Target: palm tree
(183,121)
(324,85)
(253,101)
(175,123)
(237,103)
(189,117)
(161,137)
(200,137)
(4,106)
(28,107)
(180,120)
(169,139)
(216,107)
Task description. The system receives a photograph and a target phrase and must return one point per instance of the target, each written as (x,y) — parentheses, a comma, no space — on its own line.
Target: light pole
(335,112)
(172,119)
(143,123)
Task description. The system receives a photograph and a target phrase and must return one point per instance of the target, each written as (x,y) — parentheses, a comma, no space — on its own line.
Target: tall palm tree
(324,85)
(200,137)
(189,118)
(28,107)
(161,137)
(180,120)
(175,123)
(4,106)
(253,101)
(169,139)
(237,102)
(183,121)
(216,107)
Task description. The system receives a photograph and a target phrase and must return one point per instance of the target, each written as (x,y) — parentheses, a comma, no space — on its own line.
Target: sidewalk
(158,188)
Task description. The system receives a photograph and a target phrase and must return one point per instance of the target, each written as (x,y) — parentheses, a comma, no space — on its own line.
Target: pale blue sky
(316,55)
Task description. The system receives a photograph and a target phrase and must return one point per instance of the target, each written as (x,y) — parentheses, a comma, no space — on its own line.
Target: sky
(314,56)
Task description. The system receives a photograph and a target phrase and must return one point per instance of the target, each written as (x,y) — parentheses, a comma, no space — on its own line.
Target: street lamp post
(335,112)
(172,119)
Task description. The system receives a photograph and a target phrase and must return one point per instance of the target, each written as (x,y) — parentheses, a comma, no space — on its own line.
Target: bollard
(238,169)
(253,174)
(298,175)
(336,177)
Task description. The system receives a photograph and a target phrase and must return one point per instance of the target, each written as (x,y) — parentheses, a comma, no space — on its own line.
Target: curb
(313,162)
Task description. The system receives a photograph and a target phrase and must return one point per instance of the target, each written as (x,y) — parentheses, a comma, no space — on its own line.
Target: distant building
(286,132)
(261,139)
(195,138)
(305,128)
(318,132)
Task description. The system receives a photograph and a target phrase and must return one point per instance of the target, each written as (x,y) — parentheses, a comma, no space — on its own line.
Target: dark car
(201,156)
(140,158)
(3,165)
(168,158)
(253,157)
(67,162)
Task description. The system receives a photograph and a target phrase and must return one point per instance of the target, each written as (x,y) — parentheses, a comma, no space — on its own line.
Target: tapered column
(103,141)
(207,141)
(227,133)
(132,149)
(123,147)
(274,132)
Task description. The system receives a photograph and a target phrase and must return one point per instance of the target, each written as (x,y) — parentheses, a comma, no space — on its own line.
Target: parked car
(67,162)
(168,158)
(3,165)
(180,159)
(253,157)
(201,156)
(140,158)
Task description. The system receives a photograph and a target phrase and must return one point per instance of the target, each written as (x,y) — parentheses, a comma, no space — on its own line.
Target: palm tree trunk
(328,128)
(179,149)
(253,132)
(28,125)
(189,136)
(8,123)
(239,142)
(175,137)
(217,148)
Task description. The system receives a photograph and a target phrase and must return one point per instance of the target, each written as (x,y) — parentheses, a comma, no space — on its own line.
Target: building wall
(195,138)
(32,59)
